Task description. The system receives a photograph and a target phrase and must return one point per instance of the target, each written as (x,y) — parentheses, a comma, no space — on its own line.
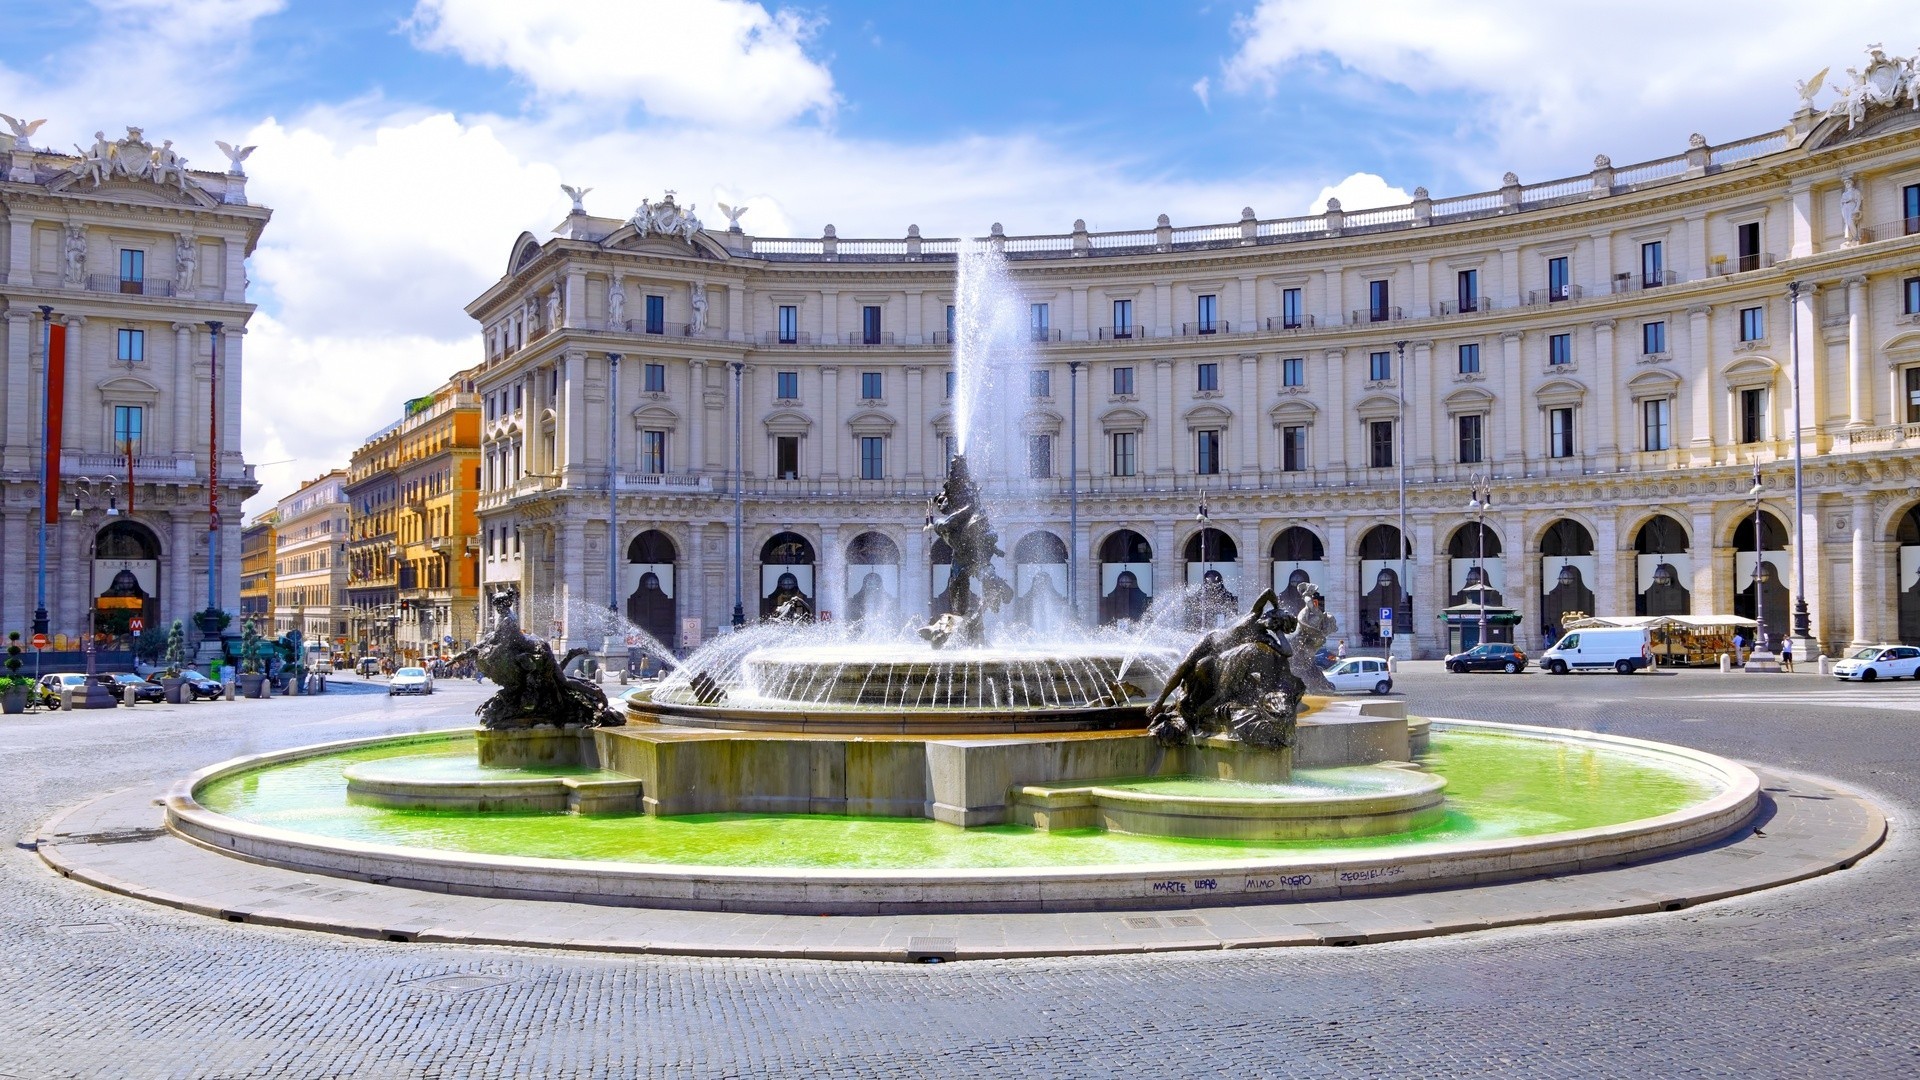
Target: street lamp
(739,496)
(1759,547)
(40,619)
(1482,499)
(1400,431)
(1073,488)
(1206,524)
(97,695)
(1802,625)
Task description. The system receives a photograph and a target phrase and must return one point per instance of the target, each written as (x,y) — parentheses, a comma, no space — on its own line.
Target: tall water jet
(989,358)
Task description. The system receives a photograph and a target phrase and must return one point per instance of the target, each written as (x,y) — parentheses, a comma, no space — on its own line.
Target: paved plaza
(1817,978)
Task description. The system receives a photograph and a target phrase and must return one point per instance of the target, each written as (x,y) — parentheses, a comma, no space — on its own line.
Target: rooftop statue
(1237,682)
(956,516)
(533,686)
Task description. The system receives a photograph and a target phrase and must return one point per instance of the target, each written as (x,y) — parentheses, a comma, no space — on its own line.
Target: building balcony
(644,482)
(1375,315)
(1205,329)
(1290,324)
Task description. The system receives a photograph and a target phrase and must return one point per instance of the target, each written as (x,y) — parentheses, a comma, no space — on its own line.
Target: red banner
(56,406)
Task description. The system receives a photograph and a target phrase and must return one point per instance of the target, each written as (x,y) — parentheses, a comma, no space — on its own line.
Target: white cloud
(723,62)
(1541,93)
(1203,89)
(1361,191)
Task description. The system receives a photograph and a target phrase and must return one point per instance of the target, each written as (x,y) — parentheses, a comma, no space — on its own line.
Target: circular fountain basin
(1520,802)
(1325,804)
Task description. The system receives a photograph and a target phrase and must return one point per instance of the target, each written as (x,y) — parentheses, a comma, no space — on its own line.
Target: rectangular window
(133,270)
(1910,296)
(1658,417)
(1557,278)
(1293,447)
(1653,265)
(949,324)
(1653,338)
(1560,349)
(789,324)
(1040,384)
(490,403)
(1560,433)
(656,314)
(786,457)
(133,346)
(1748,236)
(786,385)
(1207,379)
(952,447)
(1123,381)
(870,386)
(1206,312)
(1753,324)
(870,325)
(1293,371)
(1380,366)
(1124,445)
(1910,207)
(1379,299)
(1472,445)
(519,398)
(1206,452)
(873,457)
(1039,320)
(953,381)
(653,452)
(127,423)
(1123,318)
(1913,395)
(1753,415)
(1292,312)
(1380,444)
(1468,290)
(1039,456)
(1470,358)
(656,378)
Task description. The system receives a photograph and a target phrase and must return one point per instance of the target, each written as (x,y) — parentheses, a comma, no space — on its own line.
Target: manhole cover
(462,984)
(1186,920)
(1143,923)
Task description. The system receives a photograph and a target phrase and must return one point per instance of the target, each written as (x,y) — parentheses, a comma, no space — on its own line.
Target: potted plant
(176,659)
(212,621)
(14,687)
(251,678)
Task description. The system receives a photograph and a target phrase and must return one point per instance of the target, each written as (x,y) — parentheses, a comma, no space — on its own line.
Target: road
(1820,978)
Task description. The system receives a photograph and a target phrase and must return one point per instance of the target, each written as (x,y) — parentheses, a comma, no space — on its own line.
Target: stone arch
(127,578)
(1041,597)
(1568,570)
(652,588)
(1476,566)
(873,577)
(1663,567)
(525,249)
(1298,557)
(1126,576)
(787,562)
(1380,583)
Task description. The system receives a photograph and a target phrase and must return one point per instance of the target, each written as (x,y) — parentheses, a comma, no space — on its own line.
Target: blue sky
(403,145)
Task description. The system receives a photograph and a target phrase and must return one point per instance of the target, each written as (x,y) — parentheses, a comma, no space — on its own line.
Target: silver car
(410,680)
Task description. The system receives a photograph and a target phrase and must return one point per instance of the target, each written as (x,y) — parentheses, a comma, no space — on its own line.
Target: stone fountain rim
(1292,877)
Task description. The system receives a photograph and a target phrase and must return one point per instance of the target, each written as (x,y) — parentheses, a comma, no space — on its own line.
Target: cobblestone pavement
(1818,979)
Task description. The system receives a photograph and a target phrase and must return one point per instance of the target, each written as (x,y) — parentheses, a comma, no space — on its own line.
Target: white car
(1879,662)
(410,680)
(1361,673)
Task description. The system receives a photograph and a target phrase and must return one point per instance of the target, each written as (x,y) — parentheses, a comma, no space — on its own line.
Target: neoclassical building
(131,268)
(310,562)
(1613,354)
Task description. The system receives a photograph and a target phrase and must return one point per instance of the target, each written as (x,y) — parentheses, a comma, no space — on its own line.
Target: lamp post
(1073,488)
(1802,624)
(1759,552)
(1400,459)
(739,503)
(40,619)
(213,469)
(1206,523)
(1482,499)
(97,695)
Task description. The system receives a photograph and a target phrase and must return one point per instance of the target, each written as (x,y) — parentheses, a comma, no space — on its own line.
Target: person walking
(1340,650)
(1786,655)
(1739,649)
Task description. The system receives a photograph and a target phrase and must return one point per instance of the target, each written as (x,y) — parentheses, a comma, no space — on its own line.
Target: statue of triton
(956,516)
(533,686)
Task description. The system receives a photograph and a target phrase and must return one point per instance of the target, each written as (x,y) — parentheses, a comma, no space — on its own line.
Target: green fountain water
(1499,785)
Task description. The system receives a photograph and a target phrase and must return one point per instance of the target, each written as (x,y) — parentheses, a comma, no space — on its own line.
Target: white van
(1625,649)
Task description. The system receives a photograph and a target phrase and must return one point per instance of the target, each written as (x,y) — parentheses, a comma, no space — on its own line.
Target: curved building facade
(1610,357)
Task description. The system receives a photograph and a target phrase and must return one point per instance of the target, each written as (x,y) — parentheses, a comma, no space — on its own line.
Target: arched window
(1567,571)
(1663,569)
(1382,585)
(1475,567)
(1126,577)
(786,574)
(1040,581)
(1759,578)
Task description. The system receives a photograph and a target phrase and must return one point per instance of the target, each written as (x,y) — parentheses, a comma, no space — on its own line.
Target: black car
(197,685)
(122,683)
(1491,656)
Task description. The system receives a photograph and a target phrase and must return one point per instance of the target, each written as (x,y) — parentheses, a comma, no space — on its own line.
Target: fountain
(964,764)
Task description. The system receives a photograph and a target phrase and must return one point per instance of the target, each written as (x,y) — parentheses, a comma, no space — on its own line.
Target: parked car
(410,680)
(51,686)
(197,685)
(120,684)
(1489,656)
(368,666)
(1361,673)
(1625,649)
(1879,662)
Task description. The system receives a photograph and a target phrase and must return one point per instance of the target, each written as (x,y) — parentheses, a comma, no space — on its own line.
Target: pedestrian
(1739,648)
(1786,655)
(1340,650)
(1551,637)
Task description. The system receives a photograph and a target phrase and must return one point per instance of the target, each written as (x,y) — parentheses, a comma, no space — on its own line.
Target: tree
(176,647)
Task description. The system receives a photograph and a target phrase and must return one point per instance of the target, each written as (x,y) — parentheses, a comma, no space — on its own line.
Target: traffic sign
(39,641)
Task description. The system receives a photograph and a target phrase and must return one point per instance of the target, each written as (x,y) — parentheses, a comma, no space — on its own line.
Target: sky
(403,144)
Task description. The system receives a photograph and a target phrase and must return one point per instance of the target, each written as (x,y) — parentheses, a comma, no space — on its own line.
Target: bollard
(1726,663)
(1391,664)
(1825,664)
(128,697)
(227,685)
(66,700)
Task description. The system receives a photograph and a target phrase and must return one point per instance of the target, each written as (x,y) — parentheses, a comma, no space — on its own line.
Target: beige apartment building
(1607,359)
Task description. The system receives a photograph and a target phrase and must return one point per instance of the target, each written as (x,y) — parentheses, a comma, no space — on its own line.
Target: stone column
(1167,579)
(1341,576)
(1163,320)
(1866,600)
(829,316)
(1813,388)
(1247,414)
(573,305)
(737,328)
(1612,591)
(1706,558)
(1696,255)
(912,429)
(696,418)
(690,586)
(1429,591)
(916,576)
(1702,387)
(1800,221)
(916,312)
(1338,423)
(574,588)
(182,390)
(572,425)
(178,595)
(1606,381)
(1512,431)
(832,435)
(1421,403)
(1163,419)
(1859,380)
(19,382)
(830,589)
(1077,329)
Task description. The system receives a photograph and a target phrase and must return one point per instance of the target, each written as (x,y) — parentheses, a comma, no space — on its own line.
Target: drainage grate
(463,984)
(1186,920)
(930,950)
(89,928)
(1142,922)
